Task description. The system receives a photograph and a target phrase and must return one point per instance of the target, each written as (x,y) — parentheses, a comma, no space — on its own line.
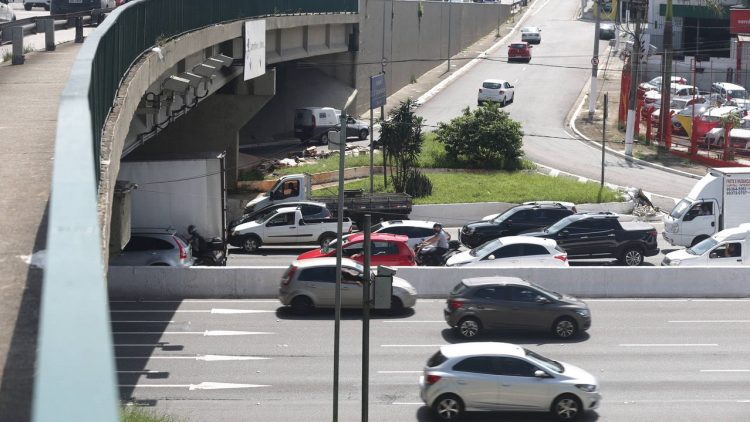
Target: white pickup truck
(725,248)
(285,226)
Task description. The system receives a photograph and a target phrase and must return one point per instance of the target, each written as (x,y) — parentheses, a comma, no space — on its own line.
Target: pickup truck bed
(382,206)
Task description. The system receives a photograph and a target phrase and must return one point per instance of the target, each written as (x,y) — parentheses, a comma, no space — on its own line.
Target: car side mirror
(491,257)
(277,194)
(509,222)
(563,233)
(301,222)
(542,300)
(541,374)
(531,46)
(713,255)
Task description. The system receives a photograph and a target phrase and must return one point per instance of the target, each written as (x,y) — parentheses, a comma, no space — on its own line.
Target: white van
(313,123)
(728,91)
(6,13)
(725,248)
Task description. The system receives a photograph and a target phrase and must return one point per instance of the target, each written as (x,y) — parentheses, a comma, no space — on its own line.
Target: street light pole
(450,22)
(595,63)
(634,64)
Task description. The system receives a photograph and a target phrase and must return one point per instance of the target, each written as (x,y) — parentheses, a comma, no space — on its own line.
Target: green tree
(401,136)
(483,136)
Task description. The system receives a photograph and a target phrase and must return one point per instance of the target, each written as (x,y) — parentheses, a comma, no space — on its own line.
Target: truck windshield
(702,247)
(679,210)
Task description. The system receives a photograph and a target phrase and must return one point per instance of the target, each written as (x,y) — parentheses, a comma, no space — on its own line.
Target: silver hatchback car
(154,247)
(504,377)
(311,283)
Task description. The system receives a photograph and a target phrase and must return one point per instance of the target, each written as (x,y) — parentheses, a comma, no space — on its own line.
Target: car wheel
(567,407)
(250,244)
(448,407)
(698,240)
(503,103)
(512,98)
(325,239)
(324,139)
(564,328)
(302,305)
(632,257)
(27,6)
(363,134)
(469,327)
(397,306)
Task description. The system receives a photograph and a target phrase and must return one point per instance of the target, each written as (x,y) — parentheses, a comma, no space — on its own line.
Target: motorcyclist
(198,242)
(438,242)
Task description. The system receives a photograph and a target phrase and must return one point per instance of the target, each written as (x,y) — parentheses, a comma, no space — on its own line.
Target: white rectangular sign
(255,48)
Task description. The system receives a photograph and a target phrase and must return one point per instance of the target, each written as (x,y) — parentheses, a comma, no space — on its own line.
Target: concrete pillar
(17,34)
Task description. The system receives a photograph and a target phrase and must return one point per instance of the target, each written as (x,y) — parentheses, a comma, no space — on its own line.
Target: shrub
(418,185)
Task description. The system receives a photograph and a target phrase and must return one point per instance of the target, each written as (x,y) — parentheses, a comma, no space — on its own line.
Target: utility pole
(366,283)
(595,63)
(450,21)
(666,81)
(635,59)
(604,132)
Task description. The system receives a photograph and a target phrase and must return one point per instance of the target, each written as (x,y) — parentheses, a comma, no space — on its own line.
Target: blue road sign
(377,91)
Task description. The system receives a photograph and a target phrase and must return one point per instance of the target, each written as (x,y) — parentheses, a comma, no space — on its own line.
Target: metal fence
(75,378)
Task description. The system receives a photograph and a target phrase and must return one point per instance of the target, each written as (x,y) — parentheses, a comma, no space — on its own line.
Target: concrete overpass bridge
(114,102)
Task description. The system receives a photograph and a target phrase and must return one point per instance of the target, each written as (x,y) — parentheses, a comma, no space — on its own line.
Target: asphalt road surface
(668,360)
(284,255)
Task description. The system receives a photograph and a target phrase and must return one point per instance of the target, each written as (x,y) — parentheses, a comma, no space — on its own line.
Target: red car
(520,51)
(387,249)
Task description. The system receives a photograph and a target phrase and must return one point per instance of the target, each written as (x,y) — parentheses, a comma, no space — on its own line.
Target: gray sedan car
(509,303)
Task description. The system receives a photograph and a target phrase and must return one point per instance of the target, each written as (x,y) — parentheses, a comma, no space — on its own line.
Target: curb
(582,137)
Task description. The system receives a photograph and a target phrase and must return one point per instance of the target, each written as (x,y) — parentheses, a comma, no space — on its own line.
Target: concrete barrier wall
(586,282)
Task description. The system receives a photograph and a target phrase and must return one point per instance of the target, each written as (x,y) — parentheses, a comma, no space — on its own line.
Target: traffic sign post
(378,97)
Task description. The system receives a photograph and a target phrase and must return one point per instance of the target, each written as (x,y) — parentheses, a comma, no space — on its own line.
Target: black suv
(601,235)
(524,217)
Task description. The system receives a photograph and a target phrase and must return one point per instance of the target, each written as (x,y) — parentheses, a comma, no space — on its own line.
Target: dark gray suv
(510,303)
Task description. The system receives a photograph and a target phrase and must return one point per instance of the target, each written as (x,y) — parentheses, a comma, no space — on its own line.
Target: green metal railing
(75,374)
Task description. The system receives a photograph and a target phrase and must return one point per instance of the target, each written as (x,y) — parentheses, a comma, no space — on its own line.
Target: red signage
(739,21)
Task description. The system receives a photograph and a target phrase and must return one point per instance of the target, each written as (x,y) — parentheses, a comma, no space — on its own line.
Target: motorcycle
(210,252)
(425,257)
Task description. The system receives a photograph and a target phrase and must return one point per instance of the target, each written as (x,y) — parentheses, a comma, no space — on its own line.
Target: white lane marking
(400,372)
(192,387)
(206,358)
(725,370)
(540,8)
(412,345)
(192,311)
(201,333)
(722,321)
(142,372)
(406,320)
(143,345)
(669,345)
(667,300)
(144,322)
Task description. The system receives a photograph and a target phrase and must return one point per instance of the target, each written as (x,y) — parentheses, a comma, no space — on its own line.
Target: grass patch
(139,414)
(459,187)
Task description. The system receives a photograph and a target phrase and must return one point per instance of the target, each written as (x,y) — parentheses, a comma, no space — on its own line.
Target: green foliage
(420,11)
(402,138)
(418,185)
(139,414)
(483,136)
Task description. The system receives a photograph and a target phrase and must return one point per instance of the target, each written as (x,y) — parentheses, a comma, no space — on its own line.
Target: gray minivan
(510,303)
(313,123)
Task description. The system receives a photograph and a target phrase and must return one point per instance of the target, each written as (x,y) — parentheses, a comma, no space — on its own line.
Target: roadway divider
(586,282)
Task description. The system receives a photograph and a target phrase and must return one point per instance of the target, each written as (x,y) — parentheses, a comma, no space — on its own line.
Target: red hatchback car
(387,249)
(520,51)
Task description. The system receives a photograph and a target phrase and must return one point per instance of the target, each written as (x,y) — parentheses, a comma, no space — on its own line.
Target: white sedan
(531,34)
(496,90)
(512,251)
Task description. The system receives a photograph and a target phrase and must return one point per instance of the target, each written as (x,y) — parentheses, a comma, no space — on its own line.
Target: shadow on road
(285,312)
(424,414)
(519,337)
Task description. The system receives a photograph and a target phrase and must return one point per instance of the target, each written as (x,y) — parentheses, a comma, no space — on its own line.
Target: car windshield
(679,210)
(740,93)
(459,289)
(492,85)
(486,248)
(376,228)
(550,293)
(263,216)
(745,124)
(702,247)
(528,29)
(544,362)
(500,218)
(560,224)
(679,104)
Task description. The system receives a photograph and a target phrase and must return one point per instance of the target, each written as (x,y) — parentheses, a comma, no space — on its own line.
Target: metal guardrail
(35,24)
(75,378)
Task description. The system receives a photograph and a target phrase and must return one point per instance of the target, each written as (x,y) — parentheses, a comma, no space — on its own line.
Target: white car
(531,34)
(656,82)
(481,376)
(496,90)
(740,136)
(725,248)
(415,230)
(512,251)
(6,13)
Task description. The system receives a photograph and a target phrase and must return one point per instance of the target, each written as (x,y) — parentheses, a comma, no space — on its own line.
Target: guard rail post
(17,36)
(48,26)
(79,29)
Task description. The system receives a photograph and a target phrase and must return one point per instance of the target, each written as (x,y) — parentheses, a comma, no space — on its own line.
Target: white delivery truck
(720,200)
(725,248)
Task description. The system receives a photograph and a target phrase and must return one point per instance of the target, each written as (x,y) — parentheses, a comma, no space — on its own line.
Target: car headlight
(589,388)
(583,312)
(675,228)
(674,262)
(469,230)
